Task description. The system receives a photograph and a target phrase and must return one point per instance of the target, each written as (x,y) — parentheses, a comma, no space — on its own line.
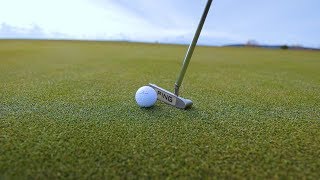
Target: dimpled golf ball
(146,96)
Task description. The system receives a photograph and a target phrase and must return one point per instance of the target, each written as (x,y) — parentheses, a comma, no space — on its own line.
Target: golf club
(173,98)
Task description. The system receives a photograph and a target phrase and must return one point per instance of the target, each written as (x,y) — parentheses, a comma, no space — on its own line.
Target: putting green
(67,110)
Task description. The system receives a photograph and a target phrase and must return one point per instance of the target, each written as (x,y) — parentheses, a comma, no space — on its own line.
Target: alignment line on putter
(173,98)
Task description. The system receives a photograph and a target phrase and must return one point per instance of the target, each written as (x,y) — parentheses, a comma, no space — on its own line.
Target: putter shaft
(191,48)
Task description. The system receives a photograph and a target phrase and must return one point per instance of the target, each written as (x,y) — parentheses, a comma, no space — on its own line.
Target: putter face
(170,98)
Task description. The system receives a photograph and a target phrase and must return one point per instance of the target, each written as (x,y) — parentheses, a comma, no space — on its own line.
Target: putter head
(170,98)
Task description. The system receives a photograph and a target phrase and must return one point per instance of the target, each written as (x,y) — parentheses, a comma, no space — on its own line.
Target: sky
(291,22)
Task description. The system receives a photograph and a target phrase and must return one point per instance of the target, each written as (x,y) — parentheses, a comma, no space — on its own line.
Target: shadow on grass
(164,111)
(163,106)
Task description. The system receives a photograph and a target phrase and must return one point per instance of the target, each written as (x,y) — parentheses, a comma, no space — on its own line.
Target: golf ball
(146,96)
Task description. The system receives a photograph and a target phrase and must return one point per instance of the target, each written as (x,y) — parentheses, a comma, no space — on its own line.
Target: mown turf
(67,110)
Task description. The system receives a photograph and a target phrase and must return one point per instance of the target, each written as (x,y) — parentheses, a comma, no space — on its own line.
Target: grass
(67,110)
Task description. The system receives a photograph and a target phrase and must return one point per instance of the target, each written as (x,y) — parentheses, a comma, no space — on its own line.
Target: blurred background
(286,22)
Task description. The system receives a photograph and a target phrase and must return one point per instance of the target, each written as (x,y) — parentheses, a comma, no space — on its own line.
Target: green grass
(67,110)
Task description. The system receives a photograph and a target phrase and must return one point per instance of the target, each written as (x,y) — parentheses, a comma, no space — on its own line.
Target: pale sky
(289,22)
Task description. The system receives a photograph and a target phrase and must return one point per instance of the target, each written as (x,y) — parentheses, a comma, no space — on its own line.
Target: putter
(173,98)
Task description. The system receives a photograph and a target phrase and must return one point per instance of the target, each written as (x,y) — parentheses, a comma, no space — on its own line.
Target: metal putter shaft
(173,98)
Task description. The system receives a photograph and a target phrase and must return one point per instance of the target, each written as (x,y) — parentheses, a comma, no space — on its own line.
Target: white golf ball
(146,96)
